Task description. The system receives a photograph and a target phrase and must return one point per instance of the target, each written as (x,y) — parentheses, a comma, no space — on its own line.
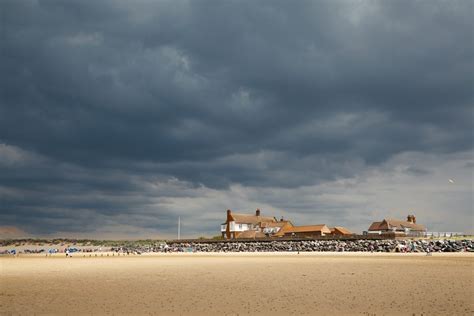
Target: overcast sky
(116,117)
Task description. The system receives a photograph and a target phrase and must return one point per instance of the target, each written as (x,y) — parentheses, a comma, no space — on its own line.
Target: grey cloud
(114,95)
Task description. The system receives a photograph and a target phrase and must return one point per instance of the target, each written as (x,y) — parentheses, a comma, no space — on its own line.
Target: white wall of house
(237,227)
(242,227)
(271,230)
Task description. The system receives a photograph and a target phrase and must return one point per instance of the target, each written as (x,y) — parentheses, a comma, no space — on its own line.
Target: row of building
(257,226)
(239,225)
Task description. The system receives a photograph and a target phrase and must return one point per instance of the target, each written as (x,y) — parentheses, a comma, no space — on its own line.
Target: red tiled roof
(251,219)
(340,229)
(309,228)
(251,234)
(276,224)
(375,226)
(389,224)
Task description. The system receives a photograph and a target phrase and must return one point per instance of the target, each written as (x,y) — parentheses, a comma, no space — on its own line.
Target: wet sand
(231,284)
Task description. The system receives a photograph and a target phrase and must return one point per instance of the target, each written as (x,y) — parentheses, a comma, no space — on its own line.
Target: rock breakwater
(324,246)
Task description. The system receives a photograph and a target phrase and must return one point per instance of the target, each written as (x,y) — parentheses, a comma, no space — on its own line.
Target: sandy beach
(236,284)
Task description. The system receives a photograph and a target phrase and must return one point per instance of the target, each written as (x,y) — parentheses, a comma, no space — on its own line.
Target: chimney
(411,219)
(257,212)
(281,219)
(414,219)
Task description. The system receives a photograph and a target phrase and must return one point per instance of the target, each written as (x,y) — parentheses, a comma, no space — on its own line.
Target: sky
(118,117)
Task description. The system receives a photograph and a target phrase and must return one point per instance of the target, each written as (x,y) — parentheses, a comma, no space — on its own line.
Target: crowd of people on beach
(48,251)
(400,246)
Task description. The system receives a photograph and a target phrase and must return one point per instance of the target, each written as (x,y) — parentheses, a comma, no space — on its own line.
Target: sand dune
(271,284)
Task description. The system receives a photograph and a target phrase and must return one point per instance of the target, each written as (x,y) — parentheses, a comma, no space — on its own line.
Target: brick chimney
(411,219)
(227,228)
(257,212)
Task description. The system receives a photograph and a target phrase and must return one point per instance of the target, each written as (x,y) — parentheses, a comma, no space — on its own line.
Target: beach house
(245,225)
(398,227)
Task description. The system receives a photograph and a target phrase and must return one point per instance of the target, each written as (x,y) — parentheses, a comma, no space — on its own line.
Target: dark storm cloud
(114,95)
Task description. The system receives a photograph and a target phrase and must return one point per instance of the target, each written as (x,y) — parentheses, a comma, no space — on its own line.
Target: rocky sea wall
(389,245)
(324,245)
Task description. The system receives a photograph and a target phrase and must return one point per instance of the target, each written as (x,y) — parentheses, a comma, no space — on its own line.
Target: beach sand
(231,284)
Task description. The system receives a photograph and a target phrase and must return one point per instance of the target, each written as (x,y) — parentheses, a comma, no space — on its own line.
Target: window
(240,226)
